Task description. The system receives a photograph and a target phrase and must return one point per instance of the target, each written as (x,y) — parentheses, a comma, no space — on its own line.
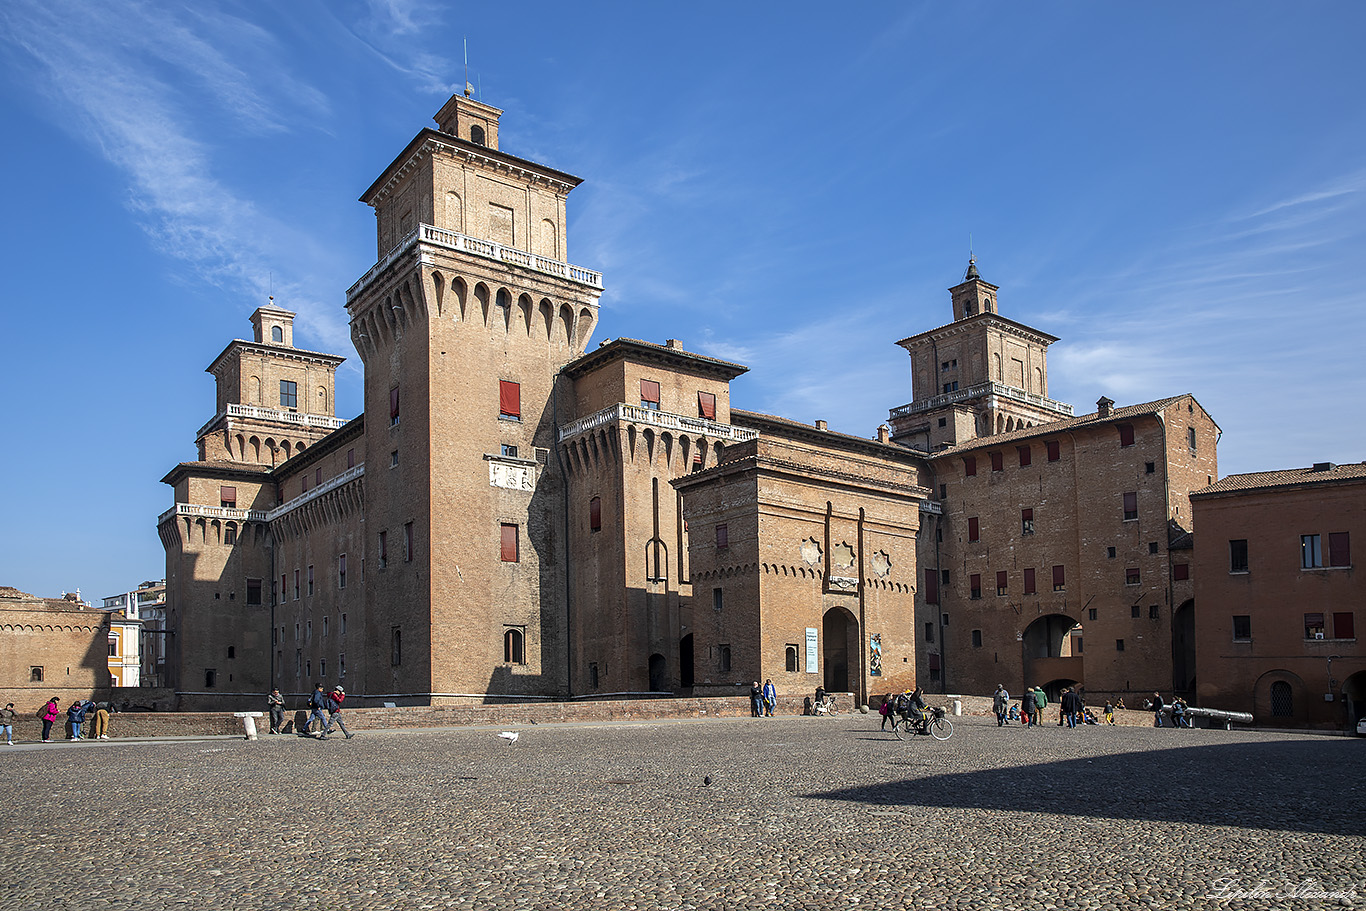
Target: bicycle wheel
(941,729)
(899,729)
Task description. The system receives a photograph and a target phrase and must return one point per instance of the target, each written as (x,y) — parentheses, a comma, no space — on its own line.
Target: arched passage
(659,669)
(685,677)
(1183,649)
(1049,654)
(1354,695)
(840,650)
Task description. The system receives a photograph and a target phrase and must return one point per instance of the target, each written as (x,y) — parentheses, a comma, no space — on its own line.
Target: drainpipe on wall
(564,537)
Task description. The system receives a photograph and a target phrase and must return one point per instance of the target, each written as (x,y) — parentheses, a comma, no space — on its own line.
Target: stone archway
(1183,650)
(1047,649)
(659,670)
(840,650)
(1354,695)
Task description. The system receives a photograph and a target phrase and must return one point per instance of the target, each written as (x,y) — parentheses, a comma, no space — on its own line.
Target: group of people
(1178,709)
(76,714)
(763,700)
(910,705)
(319,703)
(1072,711)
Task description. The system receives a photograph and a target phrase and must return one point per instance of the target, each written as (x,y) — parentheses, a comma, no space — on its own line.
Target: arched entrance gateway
(685,671)
(1183,650)
(1354,695)
(1052,654)
(840,650)
(658,673)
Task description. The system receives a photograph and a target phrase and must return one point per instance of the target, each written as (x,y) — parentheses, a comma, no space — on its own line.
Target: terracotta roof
(612,349)
(1094,419)
(1289,477)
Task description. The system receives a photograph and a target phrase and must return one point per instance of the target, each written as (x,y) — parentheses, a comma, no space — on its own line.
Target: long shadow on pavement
(1316,785)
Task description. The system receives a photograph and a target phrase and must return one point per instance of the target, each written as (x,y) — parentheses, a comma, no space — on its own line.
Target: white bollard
(957,704)
(249,722)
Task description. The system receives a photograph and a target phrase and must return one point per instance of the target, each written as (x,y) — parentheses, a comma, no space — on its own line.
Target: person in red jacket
(334,707)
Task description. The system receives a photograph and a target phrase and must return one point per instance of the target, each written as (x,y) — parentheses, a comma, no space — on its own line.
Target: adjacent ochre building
(518,514)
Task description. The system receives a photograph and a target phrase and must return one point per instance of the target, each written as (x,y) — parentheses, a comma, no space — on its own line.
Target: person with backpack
(318,703)
(75,714)
(49,714)
(334,707)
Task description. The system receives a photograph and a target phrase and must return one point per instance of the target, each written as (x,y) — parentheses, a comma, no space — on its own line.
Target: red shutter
(509,399)
(228,497)
(1002,580)
(975,585)
(1344,625)
(998,462)
(934,662)
(1059,578)
(1053,453)
(510,544)
(706,405)
(1340,551)
(931,586)
(1026,455)
(317,477)
(969,466)
(595,513)
(1181,572)
(1131,506)
(1029,582)
(722,536)
(974,530)
(1126,434)
(649,391)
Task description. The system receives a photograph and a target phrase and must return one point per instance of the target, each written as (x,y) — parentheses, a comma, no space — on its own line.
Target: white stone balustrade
(662,419)
(213,512)
(270,414)
(988,388)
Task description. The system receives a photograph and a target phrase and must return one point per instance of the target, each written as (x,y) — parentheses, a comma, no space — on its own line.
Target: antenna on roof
(469,89)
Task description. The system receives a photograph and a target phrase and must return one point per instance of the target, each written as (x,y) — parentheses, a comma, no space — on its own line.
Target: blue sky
(1176,190)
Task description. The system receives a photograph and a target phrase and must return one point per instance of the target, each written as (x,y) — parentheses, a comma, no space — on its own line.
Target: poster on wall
(875,656)
(810,650)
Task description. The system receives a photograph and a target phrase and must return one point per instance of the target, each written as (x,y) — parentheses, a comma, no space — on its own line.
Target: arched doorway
(1053,689)
(1051,648)
(1354,695)
(840,649)
(659,680)
(1183,650)
(685,677)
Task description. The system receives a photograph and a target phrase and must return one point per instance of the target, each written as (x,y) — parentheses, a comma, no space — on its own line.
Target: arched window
(277,334)
(514,650)
(791,659)
(1282,700)
(477,135)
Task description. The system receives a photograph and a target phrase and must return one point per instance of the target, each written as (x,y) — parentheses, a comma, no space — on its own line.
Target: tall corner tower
(463,325)
(979,375)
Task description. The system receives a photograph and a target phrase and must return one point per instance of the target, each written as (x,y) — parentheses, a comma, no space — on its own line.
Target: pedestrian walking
(1157,706)
(7,723)
(756,700)
(1109,713)
(75,716)
(1000,703)
(334,707)
(1072,706)
(770,697)
(1040,702)
(318,703)
(275,703)
(100,730)
(49,714)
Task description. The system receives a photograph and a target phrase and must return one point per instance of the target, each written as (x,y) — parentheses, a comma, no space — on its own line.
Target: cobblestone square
(800,813)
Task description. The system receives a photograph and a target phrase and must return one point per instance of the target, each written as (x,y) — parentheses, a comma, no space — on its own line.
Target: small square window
(1054,450)
(1119,645)
(1242,626)
(1181,572)
(1090,613)
(1149,467)
(1154,612)
(943,422)
(509,451)
(1152,547)
(1131,576)
(998,461)
(1110,553)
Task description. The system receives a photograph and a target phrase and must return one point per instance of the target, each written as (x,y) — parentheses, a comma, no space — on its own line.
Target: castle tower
(274,400)
(979,375)
(463,324)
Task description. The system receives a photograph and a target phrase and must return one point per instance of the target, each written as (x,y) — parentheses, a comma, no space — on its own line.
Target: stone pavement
(801,813)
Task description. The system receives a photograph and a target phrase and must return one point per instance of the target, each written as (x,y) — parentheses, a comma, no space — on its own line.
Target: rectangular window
(975,586)
(393,406)
(393,459)
(969,466)
(1181,572)
(510,543)
(310,580)
(227,497)
(1149,467)
(296,585)
(1133,611)
(1190,438)
(1344,625)
(706,405)
(317,477)
(944,576)
(1131,576)
(1054,450)
(1154,612)
(931,586)
(722,537)
(1029,581)
(1126,434)
(1110,553)
(1242,626)
(1311,552)
(723,657)
(350,458)
(951,387)
(929,633)
(253,591)
(1340,548)
(210,678)
(326,627)
(649,395)
(289,394)
(1027,521)
(1119,645)
(341,571)
(284,587)
(998,461)
(1091,613)
(1002,582)
(1026,455)
(1059,579)
(508,450)
(303,484)
(1130,506)
(595,514)
(395,646)
(1313,626)
(510,400)
(383,549)
(1237,556)
(977,638)
(718,599)
(974,529)
(407,542)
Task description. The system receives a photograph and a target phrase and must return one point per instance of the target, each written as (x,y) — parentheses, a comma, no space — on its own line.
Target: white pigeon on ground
(509,736)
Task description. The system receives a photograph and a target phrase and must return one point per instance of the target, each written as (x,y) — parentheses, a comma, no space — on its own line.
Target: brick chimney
(1105,407)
